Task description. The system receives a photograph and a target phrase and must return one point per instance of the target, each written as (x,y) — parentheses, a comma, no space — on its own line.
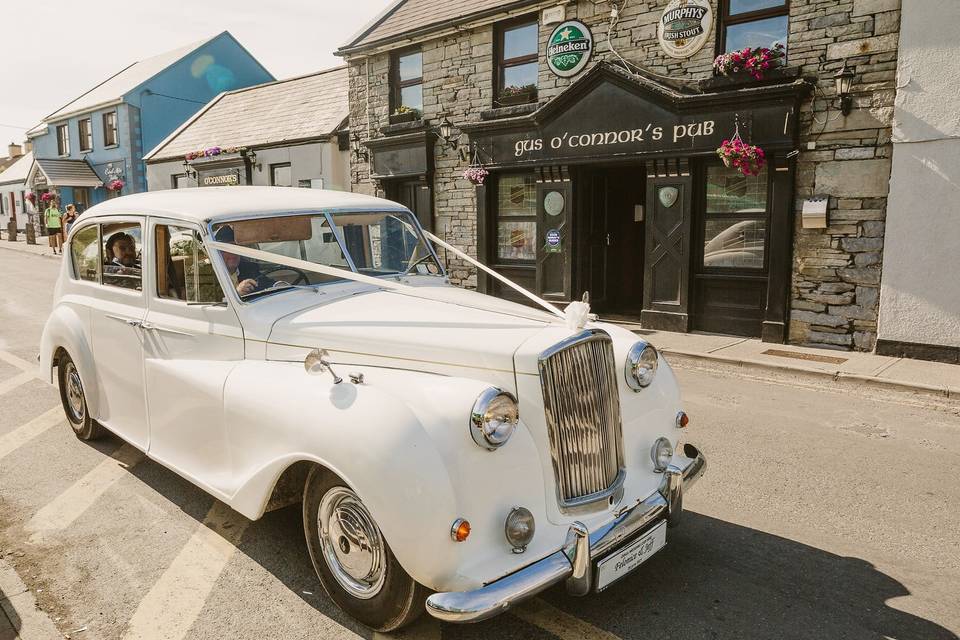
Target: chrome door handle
(135,323)
(147,326)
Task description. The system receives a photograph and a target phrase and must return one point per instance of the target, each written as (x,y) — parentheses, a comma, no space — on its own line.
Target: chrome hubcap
(353,547)
(74,393)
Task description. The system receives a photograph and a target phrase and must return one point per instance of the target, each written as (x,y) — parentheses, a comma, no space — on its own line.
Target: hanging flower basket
(754,62)
(476,175)
(114,185)
(31,197)
(47,197)
(748,159)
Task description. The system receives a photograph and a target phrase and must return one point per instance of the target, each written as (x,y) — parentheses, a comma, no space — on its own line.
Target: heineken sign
(569,48)
(684,27)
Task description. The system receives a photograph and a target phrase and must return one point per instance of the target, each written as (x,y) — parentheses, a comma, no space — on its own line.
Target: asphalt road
(821,515)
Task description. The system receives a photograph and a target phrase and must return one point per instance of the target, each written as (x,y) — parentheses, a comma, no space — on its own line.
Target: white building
(920,291)
(13,190)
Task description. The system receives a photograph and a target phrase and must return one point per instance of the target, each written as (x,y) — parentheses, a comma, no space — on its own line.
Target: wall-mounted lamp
(189,170)
(359,152)
(844,82)
(444,131)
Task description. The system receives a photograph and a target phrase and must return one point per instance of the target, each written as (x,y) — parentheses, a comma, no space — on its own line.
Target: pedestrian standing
(69,217)
(52,219)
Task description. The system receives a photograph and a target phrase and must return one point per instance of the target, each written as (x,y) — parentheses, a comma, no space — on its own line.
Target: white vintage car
(277,345)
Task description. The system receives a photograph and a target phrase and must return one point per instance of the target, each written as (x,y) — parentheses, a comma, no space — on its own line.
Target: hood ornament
(577,313)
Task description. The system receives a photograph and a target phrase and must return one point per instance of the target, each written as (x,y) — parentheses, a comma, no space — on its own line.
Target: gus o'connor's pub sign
(684,27)
(569,48)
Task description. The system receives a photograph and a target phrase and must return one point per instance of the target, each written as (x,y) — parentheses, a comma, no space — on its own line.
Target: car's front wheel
(75,401)
(353,560)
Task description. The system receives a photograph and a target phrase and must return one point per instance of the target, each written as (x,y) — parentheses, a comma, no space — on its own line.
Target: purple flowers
(748,159)
(212,151)
(750,60)
(476,175)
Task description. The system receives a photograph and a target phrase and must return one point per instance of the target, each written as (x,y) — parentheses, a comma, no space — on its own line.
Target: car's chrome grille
(582,407)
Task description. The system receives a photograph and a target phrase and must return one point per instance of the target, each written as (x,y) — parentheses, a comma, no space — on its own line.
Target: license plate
(622,562)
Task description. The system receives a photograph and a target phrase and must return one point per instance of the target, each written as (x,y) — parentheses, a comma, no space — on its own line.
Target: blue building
(92,148)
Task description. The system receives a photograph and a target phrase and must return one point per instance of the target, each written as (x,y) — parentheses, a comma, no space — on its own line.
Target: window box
(777,75)
(509,99)
(404,116)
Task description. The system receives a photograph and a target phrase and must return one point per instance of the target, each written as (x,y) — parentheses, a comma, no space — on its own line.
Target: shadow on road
(714,579)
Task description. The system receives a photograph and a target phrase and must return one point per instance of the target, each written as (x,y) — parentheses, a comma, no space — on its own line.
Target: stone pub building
(598,124)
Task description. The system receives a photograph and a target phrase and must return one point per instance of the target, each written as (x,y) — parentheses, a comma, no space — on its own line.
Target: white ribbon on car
(576,316)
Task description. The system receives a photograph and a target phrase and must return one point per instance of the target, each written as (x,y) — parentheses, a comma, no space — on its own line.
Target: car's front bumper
(575,560)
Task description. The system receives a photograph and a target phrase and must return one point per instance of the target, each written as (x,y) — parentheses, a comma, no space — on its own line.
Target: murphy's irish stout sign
(569,48)
(684,27)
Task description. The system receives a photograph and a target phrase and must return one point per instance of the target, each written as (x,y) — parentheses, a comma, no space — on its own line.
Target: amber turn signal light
(460,530)
(682,420)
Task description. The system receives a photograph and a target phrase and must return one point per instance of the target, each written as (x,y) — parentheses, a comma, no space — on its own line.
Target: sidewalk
(39,249)
(822,365)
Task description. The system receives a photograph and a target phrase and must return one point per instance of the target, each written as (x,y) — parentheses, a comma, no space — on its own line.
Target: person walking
(52,219)
(69,217)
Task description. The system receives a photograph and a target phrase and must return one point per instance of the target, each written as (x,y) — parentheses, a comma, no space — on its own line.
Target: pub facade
(574,147)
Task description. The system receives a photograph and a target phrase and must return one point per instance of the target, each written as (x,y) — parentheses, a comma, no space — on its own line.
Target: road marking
(174,602)
(26,432)
(20,363)
(12,383)
(560,624)
(70,505)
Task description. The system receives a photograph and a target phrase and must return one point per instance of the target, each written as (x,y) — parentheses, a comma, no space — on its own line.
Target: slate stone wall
(836,271)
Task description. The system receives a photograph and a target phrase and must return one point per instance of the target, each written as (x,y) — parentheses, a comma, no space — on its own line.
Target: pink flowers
(476,175)
(114,185)
(31,197)
(212,151)
(748,159)
(47,197)
(749,60)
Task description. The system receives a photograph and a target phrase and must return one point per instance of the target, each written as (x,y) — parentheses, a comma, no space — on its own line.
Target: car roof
(202,204)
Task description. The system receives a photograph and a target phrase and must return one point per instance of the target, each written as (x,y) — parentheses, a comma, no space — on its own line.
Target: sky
(84,42)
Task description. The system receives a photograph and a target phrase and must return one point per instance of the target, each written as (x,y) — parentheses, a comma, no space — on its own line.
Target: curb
(3,245)
(678,356)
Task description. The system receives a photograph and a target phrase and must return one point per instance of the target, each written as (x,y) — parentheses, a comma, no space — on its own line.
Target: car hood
(384,328)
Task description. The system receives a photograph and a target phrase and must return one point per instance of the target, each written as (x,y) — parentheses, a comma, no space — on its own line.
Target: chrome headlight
(519,528)
(641,366)
(661,454)
(494,418)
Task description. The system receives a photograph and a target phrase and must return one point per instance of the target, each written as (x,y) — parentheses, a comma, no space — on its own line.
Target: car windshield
(379,243)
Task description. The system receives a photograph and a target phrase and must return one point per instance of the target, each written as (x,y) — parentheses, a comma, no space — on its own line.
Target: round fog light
(519,528)
(661,454)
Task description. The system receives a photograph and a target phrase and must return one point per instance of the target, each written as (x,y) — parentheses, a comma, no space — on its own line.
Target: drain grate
(804,356)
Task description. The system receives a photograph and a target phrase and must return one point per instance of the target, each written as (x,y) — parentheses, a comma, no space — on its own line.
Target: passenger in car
(122,252)
(245,274)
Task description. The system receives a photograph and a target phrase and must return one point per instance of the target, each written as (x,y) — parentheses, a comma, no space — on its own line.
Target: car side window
(84,251)
(121,246)
(184,270)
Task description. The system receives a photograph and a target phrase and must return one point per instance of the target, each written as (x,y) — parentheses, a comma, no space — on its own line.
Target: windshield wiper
(281,287)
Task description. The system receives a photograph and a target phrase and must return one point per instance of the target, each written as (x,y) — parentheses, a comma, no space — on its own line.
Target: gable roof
(404,17)
(115,87)
(17,172)
(305,107)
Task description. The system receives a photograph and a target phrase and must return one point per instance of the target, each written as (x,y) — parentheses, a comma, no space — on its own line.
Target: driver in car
(244,273)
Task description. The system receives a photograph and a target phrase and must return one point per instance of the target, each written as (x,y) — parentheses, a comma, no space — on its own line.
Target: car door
(192,340)
(115,323)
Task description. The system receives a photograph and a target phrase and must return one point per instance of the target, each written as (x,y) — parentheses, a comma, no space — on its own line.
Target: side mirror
(317,362)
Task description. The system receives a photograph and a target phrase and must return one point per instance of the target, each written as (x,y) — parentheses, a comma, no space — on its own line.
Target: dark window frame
(113,130)
(85,136)
(500,64)
(724,20)
(63,139)
(280,165)
(397,85)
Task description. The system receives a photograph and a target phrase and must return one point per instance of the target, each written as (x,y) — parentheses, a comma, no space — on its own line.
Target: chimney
(14,150)
(27,145)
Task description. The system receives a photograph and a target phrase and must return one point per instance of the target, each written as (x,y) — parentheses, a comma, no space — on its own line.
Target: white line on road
(12,383)
(26,432)
(173,604)
(70,505)
(560,624)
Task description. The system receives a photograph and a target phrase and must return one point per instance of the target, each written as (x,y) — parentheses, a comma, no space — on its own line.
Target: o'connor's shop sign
(684,27)
(569,48)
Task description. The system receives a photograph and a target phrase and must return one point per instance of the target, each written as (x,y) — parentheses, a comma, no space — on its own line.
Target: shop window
(753,23)
(122,245)
(110,129)
(281,175)
(184,271)
(735,220)
(516,218)
(516,62)
(86,135)
(63,140)
(85,254)
(406,83)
